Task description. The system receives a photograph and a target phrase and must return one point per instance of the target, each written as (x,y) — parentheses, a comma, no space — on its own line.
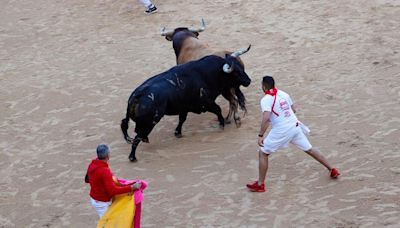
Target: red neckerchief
(273,93)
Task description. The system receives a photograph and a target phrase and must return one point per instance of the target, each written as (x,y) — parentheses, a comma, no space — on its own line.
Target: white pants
(146,3)
(296,135)
(100,206)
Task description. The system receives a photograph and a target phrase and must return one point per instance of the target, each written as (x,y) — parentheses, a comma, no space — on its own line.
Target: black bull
(191,87)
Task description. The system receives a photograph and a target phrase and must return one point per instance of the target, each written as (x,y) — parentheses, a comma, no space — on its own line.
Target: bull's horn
(228,69)
(165,32)
(240,52)
(202,28)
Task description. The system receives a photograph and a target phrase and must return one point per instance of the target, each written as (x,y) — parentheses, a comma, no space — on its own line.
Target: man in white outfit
(150,7)
(278,110)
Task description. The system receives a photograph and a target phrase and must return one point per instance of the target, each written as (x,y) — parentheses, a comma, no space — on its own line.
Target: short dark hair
(102,151)
(269,82)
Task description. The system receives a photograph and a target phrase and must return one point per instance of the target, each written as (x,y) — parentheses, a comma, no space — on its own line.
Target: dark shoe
(254,187)
(152,9)
(334,173)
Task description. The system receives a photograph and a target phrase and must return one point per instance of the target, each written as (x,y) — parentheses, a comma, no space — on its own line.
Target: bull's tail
(125,125)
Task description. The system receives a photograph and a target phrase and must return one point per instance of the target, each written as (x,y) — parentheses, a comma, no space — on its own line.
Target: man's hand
(136,186)
(260,141)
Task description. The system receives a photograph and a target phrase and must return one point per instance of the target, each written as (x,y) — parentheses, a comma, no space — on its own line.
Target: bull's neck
(178,40)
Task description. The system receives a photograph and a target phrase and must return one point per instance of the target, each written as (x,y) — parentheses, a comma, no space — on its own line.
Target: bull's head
(234,66)
(169,34)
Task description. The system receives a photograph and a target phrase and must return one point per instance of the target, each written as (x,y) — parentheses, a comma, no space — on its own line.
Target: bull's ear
(169,38)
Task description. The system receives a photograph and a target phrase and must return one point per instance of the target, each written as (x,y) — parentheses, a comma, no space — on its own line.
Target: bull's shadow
(190,87)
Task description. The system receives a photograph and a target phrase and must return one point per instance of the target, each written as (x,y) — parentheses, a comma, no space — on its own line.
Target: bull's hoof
(238,123)
(178,135)
(221,126)
(227,121)
(132,159)
(129,140)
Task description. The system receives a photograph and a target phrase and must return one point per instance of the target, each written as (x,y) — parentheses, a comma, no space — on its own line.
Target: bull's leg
(124,128)
(143,128)
(178,129)
(237,119)
(229,116)
(135,143)
(234,111)
(241,100)
(214,108)
(234,105)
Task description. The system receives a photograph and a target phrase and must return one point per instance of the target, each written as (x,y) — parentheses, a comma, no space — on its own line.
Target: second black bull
(190,87)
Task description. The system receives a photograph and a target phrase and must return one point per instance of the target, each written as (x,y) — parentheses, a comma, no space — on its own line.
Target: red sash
(273,93)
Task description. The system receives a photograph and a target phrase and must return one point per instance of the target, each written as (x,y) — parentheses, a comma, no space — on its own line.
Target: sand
(67,69)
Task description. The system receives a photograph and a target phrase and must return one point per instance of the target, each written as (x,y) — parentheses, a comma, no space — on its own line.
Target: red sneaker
(254,187)
(334,173)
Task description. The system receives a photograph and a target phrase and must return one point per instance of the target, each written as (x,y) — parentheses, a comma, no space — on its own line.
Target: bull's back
(193,49)
(172,92)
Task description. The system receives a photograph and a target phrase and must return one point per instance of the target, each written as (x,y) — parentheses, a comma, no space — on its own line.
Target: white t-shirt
(283,107)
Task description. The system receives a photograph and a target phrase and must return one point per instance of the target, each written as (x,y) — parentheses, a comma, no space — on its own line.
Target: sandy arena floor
(67,69)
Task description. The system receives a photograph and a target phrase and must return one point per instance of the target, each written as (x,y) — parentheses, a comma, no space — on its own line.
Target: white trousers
(146,3)
(296,135)
(100,206)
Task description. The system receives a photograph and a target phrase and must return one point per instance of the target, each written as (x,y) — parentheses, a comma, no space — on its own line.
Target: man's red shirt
(102,186)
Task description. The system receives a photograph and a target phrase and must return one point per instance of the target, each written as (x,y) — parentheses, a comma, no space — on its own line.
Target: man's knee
(263,154)
(309,151)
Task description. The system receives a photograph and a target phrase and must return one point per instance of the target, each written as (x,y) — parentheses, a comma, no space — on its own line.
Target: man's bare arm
(264,123)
